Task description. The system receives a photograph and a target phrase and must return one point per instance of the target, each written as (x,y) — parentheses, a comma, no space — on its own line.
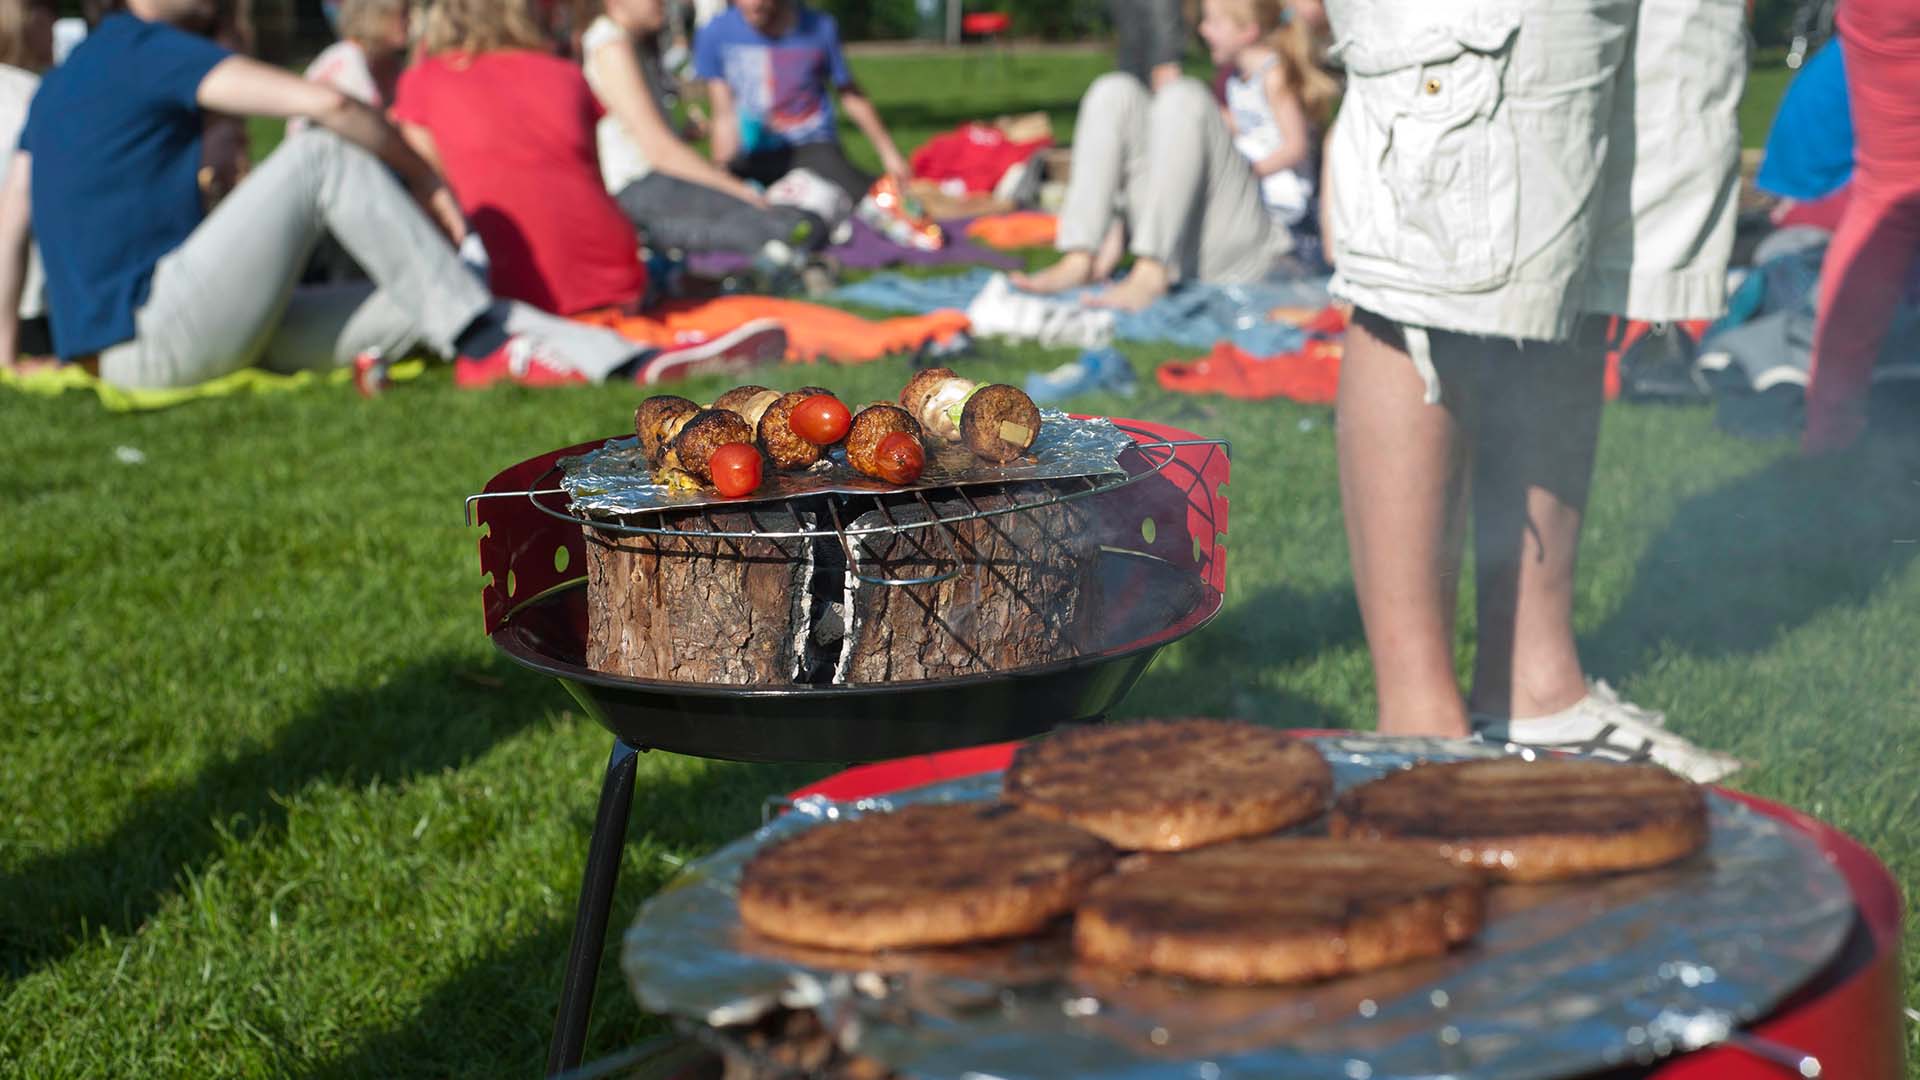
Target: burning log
(724,610)
(1024,594)
(759,611)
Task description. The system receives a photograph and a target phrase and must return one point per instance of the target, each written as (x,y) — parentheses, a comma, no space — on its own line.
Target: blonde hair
(1301,54)
(361,20)
(13,34)
(480,26)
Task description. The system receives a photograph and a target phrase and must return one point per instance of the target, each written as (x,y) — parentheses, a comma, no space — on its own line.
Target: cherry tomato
(821,420)
(735,468)
(900,458)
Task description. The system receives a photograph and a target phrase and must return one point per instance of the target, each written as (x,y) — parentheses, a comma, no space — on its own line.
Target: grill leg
(590,922)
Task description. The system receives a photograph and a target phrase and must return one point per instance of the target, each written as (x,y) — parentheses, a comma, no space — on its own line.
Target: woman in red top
(512,128)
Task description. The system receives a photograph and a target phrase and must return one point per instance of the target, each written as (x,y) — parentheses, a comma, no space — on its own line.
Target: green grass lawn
(271,805)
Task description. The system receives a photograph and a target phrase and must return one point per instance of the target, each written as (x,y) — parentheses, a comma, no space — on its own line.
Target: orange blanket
(814,332)
(1311,375)
(1021,229)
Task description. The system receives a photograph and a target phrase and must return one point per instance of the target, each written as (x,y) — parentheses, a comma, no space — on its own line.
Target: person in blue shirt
(1809,151)
(152,292)
(771,69)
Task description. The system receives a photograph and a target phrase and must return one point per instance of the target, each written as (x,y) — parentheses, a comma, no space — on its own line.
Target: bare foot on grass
(1145,284)
(1074,269)
(1112,247)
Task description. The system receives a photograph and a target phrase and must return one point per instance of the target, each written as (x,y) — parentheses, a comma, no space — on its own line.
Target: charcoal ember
(790,1043)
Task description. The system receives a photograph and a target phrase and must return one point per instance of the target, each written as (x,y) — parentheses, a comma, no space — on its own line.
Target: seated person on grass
(770,67)
(26,49)
(676,198)
(365,63)
(166,296)
(1194,192)
(513,128)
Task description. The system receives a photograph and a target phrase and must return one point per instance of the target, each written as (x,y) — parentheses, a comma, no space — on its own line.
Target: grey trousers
(1166,164)
(229,297)
(1147,33)
(679,214)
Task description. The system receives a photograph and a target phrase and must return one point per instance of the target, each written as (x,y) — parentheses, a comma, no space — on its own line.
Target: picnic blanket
(814,332)
(51,382)
(1310,375)
(1194,314)
(1019,229)
(868,250)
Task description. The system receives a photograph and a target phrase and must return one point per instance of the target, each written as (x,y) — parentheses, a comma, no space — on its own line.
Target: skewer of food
(715,447)
(884,442)
(785,446)
(996,421)
(749,427)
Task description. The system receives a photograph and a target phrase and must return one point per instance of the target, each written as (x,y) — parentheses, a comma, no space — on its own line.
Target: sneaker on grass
(371,373)
(1602,725)
(761,341)
(521,359)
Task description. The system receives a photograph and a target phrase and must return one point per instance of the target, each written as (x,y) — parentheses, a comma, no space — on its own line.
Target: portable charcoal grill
(1161,576)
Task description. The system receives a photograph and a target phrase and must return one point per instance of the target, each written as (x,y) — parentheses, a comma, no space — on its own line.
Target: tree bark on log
(695,609)
(1024,594)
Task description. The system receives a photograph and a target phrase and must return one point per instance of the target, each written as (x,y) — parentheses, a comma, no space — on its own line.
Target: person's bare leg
(1074,269)
(1112,247)
(1109,158)
(1146,282)
(1533,465)
(1403,471)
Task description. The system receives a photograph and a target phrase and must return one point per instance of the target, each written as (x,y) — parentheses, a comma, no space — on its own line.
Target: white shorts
(1505,167)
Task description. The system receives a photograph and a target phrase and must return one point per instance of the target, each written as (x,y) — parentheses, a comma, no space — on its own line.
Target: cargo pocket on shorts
(1424,162)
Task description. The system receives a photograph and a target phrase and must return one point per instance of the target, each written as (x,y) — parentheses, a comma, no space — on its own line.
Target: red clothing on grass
(515,131)
(1873,251)
(975,155)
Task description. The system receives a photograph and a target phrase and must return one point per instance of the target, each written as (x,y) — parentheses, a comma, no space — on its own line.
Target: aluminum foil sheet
(1564,979)
(614,480)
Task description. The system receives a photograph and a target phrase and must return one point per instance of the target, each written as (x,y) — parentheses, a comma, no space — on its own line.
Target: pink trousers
(1872,254)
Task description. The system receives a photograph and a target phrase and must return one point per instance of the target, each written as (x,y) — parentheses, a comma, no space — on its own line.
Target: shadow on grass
(1222,667)
(1739,566)
(495,1016)
(429,717)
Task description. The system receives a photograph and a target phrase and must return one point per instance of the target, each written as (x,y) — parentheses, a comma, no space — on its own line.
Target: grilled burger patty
(1167,785)
(930,874)
(1532,820)
(1278,910)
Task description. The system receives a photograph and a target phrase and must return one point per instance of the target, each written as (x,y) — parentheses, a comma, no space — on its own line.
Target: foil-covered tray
(1563,980)
(614,481)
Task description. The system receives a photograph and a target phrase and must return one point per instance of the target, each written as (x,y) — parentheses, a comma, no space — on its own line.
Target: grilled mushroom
(658,420)
(999,422)
(933,397)
(707,431)
(747,401)
(778,440)
(873,450)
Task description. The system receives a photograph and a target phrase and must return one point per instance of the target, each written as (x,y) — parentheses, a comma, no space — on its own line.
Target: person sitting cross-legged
(151,293)
(770,66)
(513,127)
(677,198)
(1195,193)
